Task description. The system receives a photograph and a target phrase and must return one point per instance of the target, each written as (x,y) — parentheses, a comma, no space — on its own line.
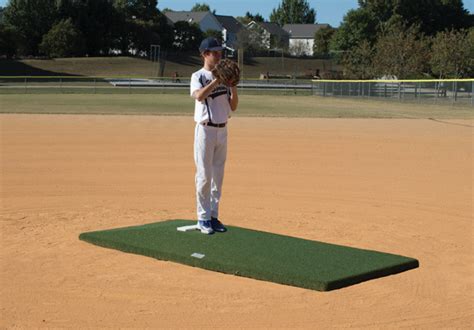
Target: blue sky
(327,11)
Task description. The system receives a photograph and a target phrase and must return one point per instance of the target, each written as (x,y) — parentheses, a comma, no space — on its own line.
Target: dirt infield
(399,186)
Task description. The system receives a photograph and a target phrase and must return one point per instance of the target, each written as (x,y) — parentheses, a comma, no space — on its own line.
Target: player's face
(214,57)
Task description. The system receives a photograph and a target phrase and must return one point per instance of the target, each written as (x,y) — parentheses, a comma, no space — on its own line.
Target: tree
(293,12)
(382,9)
(358,62)
(7,41)
(453,54)
(137,24)
(322,40)
(188,36)
(431,16)
(358,25)
(401,52)
(143,9)
(251,40)
(30,20)
(249,17)
(214,34)
(63,40)
(201,7)
(94,19)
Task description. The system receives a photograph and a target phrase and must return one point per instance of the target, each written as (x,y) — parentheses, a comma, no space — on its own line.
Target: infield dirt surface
(400,186)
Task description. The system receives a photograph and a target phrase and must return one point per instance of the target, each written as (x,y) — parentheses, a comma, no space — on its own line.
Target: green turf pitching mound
(255,254)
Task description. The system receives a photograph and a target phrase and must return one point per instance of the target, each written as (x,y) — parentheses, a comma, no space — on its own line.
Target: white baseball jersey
(216,107)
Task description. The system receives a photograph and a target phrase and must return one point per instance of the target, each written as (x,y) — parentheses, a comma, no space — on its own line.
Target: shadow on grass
(17,68)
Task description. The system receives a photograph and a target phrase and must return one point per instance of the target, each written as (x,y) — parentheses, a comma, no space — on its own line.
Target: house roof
(188,16)
(273,28)
(303,30)
(169,21)
(230,23)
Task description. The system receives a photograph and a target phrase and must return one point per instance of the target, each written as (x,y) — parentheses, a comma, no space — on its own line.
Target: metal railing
(438,91)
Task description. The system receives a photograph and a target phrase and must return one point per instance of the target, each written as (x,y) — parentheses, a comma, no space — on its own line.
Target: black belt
(214,125)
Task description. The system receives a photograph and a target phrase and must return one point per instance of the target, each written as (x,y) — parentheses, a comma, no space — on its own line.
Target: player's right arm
(200,92)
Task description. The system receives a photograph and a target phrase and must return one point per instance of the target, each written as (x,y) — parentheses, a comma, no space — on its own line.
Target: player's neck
(208,66)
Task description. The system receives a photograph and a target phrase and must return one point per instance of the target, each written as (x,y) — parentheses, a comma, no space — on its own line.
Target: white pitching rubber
(188,228)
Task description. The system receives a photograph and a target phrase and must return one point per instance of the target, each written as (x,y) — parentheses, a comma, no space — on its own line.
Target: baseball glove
(227,72)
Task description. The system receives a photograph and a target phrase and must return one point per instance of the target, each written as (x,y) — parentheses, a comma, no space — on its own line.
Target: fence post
(472,93)
(95,85)
(129,85)
(26,88)
(61,84)
(455,91)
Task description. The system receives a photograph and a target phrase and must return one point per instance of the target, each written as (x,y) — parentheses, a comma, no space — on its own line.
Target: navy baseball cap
(210,44)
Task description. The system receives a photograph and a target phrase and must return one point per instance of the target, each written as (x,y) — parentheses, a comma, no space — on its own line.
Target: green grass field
(185,64)
(250,105)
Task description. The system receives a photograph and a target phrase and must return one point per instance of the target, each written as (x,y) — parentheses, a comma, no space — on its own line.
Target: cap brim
(216,48)
(213,49)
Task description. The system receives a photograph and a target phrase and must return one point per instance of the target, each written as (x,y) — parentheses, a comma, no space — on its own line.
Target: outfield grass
(250,105)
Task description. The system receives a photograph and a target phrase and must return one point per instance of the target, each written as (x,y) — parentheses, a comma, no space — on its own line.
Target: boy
(213,106)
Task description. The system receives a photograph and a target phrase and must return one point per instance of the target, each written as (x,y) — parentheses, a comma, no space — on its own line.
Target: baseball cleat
(217,225)
(205,227)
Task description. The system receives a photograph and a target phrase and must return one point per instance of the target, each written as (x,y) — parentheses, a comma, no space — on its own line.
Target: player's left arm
(234,98)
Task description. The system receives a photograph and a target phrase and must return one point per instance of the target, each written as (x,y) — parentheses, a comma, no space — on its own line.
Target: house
(230,30)
(302,37)
(271,34)
(205,19)
(227,25)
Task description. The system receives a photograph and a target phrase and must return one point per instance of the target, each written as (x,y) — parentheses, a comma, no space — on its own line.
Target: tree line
(59,28)
(81,27)
(403,38)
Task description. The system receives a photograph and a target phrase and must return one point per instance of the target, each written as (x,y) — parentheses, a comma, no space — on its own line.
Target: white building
(270,35)
(227,25)
(302,37)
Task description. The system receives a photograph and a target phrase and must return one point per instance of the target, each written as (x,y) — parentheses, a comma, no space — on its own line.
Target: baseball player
(214,102)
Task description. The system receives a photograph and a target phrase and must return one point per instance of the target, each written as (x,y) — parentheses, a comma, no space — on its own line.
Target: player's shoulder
(200,72)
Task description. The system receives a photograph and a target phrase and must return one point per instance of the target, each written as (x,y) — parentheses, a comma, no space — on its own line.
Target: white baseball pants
(210,152)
